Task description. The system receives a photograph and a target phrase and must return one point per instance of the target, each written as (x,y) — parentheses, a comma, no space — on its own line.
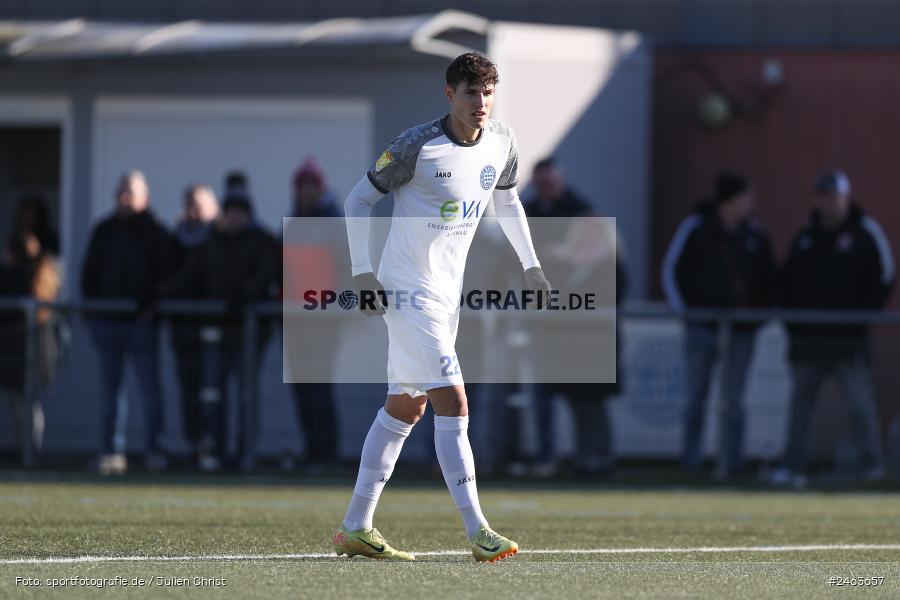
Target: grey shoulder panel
(397,164)
(510,174)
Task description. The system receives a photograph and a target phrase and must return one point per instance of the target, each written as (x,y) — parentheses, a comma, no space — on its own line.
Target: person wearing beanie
(314,252)
(719,258)
(839,260)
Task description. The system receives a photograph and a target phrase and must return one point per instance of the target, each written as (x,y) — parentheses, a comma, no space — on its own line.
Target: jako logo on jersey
(466,479)
(443,174)
(488,175)
(451,209)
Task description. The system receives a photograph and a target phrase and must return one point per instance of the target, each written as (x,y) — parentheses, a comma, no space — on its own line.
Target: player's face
(471,103)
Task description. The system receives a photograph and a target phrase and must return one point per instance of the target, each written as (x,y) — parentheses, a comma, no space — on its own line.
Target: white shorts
(421,350)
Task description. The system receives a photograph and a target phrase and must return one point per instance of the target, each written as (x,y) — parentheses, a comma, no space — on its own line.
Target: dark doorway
(29,165)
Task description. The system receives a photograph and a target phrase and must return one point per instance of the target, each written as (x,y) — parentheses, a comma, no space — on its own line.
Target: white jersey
(441,187)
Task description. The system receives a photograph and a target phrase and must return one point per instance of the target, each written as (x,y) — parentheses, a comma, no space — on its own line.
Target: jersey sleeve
(510,175)
(397,164)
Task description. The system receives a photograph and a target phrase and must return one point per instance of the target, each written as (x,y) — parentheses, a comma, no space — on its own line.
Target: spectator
(313,254)
(201,209)
(128,256)
(720,258)
(238,265)
(591,256)
(554,198)
(840,260)
(28,269)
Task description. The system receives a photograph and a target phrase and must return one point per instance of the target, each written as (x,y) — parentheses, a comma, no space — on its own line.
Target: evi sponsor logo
(453,209)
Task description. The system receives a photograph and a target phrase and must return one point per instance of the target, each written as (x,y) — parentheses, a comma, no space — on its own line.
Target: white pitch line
(331,555)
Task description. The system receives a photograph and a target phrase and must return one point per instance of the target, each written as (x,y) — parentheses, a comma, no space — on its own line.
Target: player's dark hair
(472,68)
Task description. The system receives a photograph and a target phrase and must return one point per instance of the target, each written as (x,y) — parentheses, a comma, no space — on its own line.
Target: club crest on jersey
(451,209)
(384,160)
(488,175)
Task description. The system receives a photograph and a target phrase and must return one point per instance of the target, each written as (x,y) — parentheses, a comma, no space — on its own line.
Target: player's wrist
(371,294)
(536,281)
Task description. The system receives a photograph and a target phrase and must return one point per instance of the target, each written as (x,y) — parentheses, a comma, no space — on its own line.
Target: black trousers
(315,409)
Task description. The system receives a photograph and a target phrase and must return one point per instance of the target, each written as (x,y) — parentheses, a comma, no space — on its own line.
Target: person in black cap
(840,260)
(720,257)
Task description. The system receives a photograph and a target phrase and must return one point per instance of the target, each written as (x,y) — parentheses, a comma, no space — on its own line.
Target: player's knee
(406,409)
(413,415)
(451,405)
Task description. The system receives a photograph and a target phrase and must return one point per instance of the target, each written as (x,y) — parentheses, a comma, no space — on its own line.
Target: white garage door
(178,141)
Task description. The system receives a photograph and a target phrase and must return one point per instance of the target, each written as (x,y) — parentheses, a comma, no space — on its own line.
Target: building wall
(731,23)
(583,96)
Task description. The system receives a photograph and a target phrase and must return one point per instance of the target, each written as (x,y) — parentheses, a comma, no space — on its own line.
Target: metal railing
(253,314)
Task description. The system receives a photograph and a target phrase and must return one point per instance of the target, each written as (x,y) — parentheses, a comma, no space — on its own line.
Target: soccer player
(443,174)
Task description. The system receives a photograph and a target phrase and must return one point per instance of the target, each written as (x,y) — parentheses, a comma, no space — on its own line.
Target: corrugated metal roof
(80,39)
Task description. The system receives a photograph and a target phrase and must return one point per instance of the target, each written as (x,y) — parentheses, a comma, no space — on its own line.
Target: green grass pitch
(275,540)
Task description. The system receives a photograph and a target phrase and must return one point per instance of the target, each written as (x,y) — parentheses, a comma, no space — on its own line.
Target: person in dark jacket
(606,265)
(720,258)
(201,209)
(840,260)
(129,255)
(238,264)
(552,195)
(554,199)
(315,252)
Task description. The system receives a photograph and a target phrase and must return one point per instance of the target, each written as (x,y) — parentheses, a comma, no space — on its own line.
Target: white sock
(379,455)
(451,442)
